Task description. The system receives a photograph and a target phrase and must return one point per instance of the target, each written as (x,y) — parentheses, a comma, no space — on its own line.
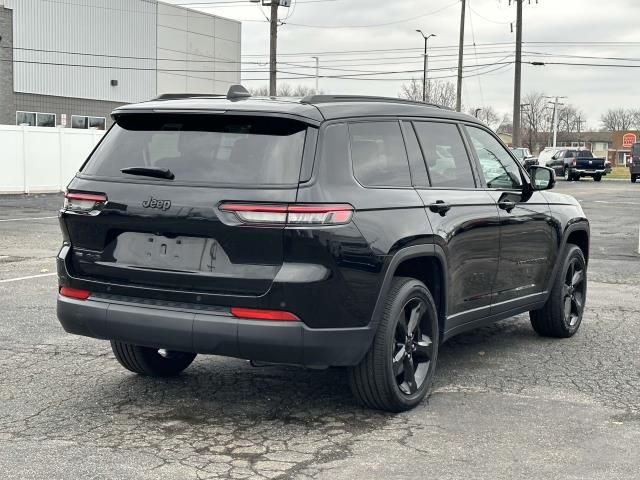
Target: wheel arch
(576,233)
(426,263)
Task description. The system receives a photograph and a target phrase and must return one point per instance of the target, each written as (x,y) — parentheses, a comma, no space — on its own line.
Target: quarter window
(445,155)
(498,167)
(378,154)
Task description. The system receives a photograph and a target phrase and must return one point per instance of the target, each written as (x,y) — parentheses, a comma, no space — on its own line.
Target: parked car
(574,164)
(634,162)
(358,232)
(524,156)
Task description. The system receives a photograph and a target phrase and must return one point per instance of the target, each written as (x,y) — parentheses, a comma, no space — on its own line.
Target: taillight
(293,214)
(573,162)
(74,293)
(83,202)
(254,314)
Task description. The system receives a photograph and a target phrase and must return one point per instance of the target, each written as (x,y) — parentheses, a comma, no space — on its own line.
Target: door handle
(507,205)
(440,207)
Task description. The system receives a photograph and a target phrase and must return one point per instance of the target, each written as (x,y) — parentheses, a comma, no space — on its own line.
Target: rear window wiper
(149,172)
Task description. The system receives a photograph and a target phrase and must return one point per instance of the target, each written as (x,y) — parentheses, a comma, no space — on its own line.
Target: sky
(354,37)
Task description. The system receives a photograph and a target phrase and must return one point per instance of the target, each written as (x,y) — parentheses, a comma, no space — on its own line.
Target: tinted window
(199,148)
(378,154)
(498,167)
(418,169)
(635,150)
(585,154)
(445,155)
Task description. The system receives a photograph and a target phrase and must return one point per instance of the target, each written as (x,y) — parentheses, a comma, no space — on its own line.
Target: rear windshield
(635,150)
(203,148)
(585,154)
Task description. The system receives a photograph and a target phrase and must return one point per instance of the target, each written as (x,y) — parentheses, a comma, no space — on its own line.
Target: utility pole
(317,73)
(273,45)
(518,77)
(555,118)
(426,63)
(460,56)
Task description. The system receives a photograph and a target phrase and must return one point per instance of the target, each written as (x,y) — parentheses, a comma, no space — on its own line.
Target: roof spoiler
(235,92)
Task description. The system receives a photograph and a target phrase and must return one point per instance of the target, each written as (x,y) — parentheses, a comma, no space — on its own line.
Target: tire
(149,361)
(380,381)
(633,179)
(566,173)
(597,178)
(561,316)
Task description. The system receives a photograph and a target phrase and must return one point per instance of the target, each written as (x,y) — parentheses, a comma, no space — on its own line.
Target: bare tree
(284,90)
(533,119)
(506,124)
(487,115)
(438,92)
(619,119)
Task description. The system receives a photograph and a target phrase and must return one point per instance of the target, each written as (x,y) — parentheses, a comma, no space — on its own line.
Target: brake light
(253,314)
(83,202)
(74,293)
(573,162)
(292,214)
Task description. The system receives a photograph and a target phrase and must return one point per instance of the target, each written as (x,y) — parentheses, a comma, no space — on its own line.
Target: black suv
(326,231)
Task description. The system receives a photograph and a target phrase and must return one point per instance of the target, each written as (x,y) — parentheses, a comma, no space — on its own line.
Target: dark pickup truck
(574,164)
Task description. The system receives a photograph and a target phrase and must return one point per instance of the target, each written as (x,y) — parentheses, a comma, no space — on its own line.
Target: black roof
(313,110)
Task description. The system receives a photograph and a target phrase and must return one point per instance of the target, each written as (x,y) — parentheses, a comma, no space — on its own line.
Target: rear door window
(378,154)
(444,153)
(204,148)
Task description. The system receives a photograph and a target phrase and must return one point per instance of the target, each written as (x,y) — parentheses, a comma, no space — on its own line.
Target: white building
(70,62)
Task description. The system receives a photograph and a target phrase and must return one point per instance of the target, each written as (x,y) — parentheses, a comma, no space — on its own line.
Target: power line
(373,25)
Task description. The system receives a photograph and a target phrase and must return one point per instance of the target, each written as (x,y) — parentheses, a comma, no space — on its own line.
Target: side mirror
(542,178)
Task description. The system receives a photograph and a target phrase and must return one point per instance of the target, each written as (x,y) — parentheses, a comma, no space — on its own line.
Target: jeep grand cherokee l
(326,231)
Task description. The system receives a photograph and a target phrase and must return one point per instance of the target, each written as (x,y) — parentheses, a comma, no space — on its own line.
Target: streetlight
(424,78)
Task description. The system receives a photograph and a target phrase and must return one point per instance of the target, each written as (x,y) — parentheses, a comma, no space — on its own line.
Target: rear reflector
(294,214)
(252,314)
(74,293)
(84,202)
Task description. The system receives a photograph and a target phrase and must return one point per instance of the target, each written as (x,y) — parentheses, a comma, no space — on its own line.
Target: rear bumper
(586,172)
(213,332)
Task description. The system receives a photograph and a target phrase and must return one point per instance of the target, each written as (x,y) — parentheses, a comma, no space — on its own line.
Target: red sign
(628,139)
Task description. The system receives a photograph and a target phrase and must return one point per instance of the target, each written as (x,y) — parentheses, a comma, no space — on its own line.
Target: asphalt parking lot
(506,403)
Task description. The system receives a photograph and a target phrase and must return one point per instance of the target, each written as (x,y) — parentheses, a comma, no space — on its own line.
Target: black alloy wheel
(573,292)
(561,315)
(397,372)
(413,348)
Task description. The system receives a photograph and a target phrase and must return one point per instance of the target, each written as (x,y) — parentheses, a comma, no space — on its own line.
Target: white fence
(41,159)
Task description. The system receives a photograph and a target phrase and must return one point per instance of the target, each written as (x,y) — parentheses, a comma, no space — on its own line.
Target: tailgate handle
(440,207)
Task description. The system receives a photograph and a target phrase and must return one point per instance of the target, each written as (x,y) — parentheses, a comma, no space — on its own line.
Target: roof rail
(313,99)
(181,96)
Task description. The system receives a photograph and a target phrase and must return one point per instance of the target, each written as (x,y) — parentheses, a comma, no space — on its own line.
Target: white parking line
(27,278)
(26,219)
(616,203)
